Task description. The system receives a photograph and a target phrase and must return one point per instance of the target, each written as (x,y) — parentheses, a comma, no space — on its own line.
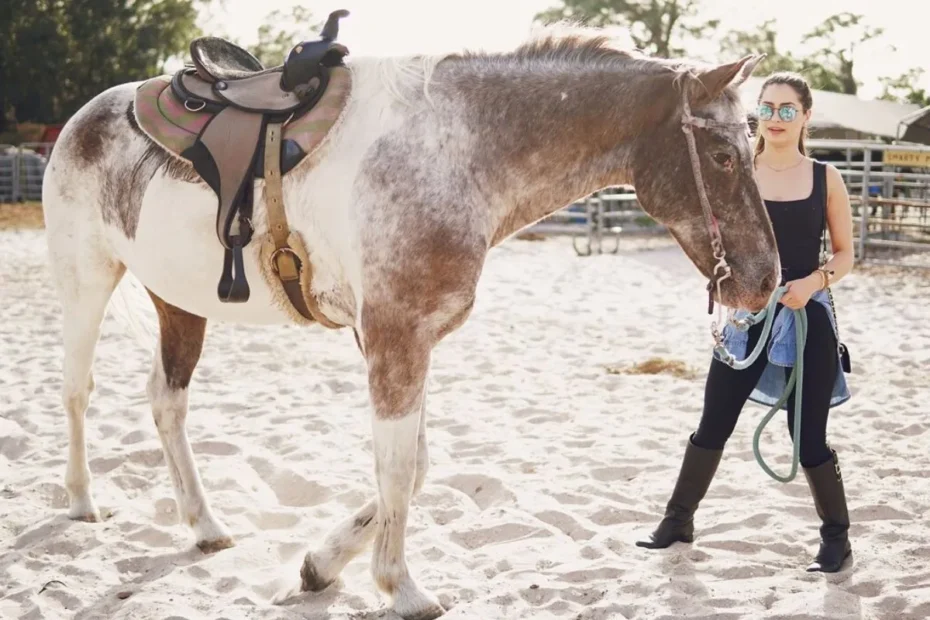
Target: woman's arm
(839,222)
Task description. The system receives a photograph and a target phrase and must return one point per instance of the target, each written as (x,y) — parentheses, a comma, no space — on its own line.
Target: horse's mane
(553,45)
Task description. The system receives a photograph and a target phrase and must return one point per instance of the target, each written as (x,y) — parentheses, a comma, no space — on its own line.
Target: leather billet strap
(284,261)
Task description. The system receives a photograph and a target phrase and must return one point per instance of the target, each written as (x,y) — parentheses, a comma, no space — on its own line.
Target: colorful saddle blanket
(166,120)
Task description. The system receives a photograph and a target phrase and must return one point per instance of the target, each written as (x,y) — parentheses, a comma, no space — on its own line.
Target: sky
(395,27)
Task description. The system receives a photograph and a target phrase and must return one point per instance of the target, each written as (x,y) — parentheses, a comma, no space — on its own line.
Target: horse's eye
(722,158)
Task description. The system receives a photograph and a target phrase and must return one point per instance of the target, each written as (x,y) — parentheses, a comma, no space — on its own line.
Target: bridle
(688,122)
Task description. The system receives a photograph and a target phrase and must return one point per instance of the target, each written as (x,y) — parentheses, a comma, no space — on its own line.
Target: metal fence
(890,205)
(889,188)
(21,171)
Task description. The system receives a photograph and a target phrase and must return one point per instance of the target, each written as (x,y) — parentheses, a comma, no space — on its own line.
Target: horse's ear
(748,68)
(712,81)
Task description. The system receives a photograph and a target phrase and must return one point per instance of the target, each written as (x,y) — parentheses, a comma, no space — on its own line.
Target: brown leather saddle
(242,141)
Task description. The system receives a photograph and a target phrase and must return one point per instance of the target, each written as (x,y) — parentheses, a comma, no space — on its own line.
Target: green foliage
(838,36)
(282,31)
(904,88)
(829,68)
(55,55)
(762,40)
(656,26)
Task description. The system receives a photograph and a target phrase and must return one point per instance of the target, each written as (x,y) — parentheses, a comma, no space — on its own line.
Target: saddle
(238,108)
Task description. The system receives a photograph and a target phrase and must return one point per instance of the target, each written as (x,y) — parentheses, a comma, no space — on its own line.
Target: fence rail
(22,169)
(890,203)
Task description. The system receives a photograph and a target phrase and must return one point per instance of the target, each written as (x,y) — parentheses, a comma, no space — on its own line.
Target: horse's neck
(546,139)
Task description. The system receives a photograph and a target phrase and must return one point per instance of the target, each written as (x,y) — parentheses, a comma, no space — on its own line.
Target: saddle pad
(165,120)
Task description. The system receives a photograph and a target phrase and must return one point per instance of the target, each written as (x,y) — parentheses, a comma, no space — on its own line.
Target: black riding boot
(826,484)
(697,470)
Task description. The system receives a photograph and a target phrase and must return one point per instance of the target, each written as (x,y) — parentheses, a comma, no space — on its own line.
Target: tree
(281,32)
(904,88)
(56,55)
(656,26)
(739,43)
(832,65)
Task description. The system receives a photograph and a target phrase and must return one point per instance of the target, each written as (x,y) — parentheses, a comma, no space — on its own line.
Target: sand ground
(548,460)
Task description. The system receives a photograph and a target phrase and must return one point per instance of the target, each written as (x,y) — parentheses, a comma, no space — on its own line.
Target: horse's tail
(132,309)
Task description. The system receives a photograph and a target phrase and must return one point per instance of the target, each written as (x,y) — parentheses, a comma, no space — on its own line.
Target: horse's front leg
(398,362)
(343,543)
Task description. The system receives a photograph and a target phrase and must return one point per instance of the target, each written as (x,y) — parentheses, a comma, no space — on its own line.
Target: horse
(434,161)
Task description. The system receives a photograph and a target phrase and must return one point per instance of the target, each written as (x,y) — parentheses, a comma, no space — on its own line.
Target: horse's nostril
(769,282)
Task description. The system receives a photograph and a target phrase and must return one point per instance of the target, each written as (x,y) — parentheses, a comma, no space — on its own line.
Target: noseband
(688,122)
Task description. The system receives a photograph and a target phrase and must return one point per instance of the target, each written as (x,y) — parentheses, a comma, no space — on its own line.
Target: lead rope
(796,376)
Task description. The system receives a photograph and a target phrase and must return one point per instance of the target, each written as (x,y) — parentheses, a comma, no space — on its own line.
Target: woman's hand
(800,291)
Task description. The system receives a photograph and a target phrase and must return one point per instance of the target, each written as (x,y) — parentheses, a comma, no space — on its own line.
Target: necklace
(795,165)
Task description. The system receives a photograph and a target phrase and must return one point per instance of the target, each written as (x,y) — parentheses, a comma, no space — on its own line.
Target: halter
(688,122)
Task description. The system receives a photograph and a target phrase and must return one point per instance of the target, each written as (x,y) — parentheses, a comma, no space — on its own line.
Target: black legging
(728,389)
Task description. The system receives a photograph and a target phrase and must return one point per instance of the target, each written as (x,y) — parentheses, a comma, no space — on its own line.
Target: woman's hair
(803,89)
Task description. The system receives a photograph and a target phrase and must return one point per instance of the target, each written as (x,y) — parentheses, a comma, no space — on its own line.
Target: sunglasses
(786,113)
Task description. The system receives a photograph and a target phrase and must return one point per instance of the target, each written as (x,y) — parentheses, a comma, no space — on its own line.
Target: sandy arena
(549,459)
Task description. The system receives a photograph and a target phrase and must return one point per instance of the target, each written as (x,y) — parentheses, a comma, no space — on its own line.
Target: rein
(688,122)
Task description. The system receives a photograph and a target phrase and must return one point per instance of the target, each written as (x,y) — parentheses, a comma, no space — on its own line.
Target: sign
(907,158)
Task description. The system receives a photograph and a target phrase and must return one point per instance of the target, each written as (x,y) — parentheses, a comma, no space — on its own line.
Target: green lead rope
(796,376)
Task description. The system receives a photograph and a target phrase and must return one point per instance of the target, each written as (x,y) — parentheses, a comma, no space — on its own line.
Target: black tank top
(798,225)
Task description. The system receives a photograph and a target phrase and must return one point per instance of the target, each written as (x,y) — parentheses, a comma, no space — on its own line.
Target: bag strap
(821,172)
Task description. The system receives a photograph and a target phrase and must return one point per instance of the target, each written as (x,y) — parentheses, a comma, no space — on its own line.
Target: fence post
(864,215)
(15,194)
(589,207)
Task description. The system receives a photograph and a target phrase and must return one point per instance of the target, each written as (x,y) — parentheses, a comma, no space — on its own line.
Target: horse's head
(670,177)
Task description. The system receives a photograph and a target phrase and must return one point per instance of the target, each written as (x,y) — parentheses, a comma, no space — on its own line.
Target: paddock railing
(888,186)
(22,169)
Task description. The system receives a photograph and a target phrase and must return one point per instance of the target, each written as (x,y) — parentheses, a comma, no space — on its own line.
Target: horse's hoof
(217,544)
(83,508)
(413,603)
(310,579)
(430,613)
(87,517)
(84,511)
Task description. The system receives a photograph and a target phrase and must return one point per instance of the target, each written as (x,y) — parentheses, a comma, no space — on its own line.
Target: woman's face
(781,115)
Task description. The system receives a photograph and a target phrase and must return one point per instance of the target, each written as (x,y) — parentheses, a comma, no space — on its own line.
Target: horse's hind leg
(85,279)
(179,345)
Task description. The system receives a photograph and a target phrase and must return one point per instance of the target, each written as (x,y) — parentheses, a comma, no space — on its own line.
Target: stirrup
(233,287)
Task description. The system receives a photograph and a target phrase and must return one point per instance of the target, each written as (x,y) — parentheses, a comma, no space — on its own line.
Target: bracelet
(824,276)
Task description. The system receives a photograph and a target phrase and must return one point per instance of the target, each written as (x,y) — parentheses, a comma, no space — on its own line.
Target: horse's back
(109,186)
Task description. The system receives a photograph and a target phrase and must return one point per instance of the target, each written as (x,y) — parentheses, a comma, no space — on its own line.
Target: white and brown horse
(434,161)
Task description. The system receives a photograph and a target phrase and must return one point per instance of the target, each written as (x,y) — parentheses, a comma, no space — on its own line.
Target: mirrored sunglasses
(786,113)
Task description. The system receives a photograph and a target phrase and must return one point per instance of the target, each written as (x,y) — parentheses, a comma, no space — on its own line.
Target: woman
(799,192)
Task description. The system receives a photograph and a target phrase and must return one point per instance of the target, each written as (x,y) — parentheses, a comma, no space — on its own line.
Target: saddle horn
(331,28)
(307,60)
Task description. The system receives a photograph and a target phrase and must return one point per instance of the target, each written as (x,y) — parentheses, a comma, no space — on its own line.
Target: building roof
(869,118)
(916,127)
